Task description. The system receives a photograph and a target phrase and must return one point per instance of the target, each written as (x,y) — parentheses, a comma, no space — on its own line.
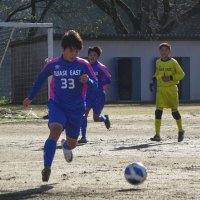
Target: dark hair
(72,40)
(165,44)
(95,49)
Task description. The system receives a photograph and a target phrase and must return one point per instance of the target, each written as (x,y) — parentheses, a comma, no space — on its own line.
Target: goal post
(26,55)
(49,27)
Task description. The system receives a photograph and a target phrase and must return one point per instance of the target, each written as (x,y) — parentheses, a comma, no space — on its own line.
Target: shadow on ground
(142,146)
(26,194)
(129,190)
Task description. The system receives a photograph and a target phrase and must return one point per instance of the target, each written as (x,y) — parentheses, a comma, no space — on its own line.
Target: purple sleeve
(104,76)
(92,81)
(41,78)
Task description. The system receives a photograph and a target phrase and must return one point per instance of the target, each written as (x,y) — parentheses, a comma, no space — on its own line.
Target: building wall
(147,50)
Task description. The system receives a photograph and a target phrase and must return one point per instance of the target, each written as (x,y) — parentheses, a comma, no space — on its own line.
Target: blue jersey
(103,77)
(66,90)
(96,98)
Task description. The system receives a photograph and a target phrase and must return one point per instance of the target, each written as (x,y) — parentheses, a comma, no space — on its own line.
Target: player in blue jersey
(95,99)
(70,77)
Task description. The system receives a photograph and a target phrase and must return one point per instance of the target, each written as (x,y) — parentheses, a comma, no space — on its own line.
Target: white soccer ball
(135,173)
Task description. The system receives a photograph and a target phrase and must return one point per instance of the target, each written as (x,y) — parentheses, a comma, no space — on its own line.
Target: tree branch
(166,12)
(110,9)
(133,18)
(19,9)
(49,5)
(184,15)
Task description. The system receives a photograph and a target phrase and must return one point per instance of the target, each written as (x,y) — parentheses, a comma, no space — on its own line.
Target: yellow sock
(179,124)
(157,126)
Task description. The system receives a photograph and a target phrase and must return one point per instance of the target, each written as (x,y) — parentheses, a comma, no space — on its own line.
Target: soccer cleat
(83,140)
(107,122)
(156,138)
(67,152)
(181,136)
(46,174)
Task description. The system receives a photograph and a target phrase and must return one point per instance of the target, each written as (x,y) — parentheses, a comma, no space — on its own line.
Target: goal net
(24,49)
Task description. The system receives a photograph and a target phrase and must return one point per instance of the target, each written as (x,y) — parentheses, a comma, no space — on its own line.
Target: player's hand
(151,86)
(166,78)
(84,78)
(26,102)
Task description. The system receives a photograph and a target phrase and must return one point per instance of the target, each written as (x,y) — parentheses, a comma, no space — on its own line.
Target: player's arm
(89,77)
(179,75)
(151,84)
(41,78)
(105,77)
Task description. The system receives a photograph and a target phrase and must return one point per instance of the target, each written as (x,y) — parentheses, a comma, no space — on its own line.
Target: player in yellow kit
(168,74)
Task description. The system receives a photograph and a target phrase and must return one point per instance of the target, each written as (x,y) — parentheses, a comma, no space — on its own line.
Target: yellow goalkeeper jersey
(168,68)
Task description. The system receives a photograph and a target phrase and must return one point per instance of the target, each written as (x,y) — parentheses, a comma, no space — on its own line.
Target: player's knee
(96,118)
(158,114)
(72,143)
(55,131)
(176,115)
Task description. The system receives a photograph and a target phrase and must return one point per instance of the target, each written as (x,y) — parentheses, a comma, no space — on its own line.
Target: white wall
(147,50)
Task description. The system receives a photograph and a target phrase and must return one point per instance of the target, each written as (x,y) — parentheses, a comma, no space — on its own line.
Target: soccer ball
(135,173)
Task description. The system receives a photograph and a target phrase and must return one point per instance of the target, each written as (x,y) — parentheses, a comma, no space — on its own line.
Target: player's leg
(97,109)
(158,118)
(174,102)
(67,145)
(176,115)
(160,101)
(56,123)
(84,127)
(73,125)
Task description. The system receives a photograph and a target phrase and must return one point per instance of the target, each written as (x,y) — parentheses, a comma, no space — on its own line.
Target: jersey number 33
(67,83)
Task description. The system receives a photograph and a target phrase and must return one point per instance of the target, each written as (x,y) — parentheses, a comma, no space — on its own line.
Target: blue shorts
(70,120)
(96,102)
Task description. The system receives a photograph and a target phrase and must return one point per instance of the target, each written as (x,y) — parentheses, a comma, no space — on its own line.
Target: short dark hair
(165,44)
(98,50)
(71,40)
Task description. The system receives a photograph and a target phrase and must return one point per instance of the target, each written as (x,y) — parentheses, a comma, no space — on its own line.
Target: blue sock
(65,145)
(84,127)
(49,152)
(102,118)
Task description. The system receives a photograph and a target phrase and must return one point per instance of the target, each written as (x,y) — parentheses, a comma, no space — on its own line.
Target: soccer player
(70,76)
(168,74)
(96,99)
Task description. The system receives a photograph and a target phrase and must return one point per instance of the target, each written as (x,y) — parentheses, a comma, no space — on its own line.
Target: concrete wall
(147,50)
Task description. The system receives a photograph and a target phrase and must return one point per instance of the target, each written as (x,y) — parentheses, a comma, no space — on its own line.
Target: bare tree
(124,16)
(31,5)
(152,16)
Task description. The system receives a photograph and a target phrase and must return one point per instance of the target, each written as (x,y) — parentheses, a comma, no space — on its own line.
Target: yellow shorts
(167,97)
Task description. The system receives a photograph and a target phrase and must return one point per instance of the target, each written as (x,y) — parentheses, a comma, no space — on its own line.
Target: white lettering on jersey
(75,72)
(60,73)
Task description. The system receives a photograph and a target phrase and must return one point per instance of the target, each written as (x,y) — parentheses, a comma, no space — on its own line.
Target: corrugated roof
(138,36)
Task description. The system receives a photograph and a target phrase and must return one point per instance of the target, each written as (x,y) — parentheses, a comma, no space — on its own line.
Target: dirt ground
(97,169)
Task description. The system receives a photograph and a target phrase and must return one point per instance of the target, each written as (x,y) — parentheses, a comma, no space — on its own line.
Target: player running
(168,74)
(96,99)
(70,74)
